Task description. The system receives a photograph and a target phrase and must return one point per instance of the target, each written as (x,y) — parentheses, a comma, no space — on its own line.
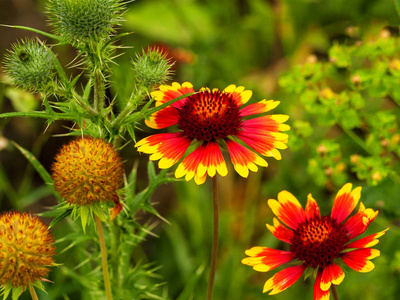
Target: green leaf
(67,212)
(21,100)
(191,283)
(39,168)
(57,38)
(397,5)
(350,119)
(157,108)
(339,55)
(16,292)
(85,211)
(38,114)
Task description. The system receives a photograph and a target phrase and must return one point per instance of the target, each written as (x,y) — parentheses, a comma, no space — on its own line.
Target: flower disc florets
(318,241)
(29,65)
(26,249)
(87,171)
(82,21)
(209,116)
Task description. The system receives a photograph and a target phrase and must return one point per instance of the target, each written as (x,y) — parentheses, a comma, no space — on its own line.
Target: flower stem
(103,258)
(334,292)
(214,250)
(33,292)
(98,91)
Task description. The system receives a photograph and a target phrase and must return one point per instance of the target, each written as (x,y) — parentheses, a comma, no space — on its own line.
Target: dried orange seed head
(87,171)
(26,249)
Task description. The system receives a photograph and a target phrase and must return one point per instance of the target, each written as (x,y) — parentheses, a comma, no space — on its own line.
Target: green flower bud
(152,68)
(84,21)
(29,65)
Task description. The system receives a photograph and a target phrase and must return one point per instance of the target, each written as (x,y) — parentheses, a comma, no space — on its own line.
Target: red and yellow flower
(211,119)
(317,242)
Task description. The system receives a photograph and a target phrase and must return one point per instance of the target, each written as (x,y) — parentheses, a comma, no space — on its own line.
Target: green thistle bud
(152,68)
(84,21)
(29,65)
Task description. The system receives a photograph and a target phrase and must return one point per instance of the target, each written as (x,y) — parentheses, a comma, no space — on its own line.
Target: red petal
(239,94)
(169,147)
(345,202)
(244,159)
(319,294)
(206,159)
(367,241)
(259,108)
(288,209)
(358,259)
(332,273)
(358,223)
(264,259)
(281,232)
(312,209)
(283,279)
(166,93)
(116,209)
(211,161)
(163,118)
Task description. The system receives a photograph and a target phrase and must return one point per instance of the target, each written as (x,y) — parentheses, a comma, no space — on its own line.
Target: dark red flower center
(209,116)
(318,241)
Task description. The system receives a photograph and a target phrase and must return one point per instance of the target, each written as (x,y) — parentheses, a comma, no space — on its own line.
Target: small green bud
(152,68)
(29,65)
(84,21)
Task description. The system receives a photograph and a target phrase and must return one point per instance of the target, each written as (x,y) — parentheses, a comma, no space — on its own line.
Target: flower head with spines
(26,251)
(88,171)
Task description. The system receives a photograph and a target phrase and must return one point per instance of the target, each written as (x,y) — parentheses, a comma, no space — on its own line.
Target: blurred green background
(257,44)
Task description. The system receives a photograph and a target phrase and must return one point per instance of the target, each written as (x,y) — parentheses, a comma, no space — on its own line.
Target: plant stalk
(334,292)
(103,250)
(32,292)
(98,92)
(214,250)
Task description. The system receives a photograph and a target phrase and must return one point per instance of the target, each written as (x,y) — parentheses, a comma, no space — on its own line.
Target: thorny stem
(33,292)
(214,250)
(334,292)
(103,258)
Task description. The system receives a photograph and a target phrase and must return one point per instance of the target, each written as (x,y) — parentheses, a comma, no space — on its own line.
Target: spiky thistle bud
(26,250)
(88,171)
(152,68)
(29,65)
(84,21)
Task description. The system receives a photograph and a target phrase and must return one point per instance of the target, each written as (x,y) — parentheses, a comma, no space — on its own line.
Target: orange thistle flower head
(26,250)
(317,242)
(211,119)
(88,171)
